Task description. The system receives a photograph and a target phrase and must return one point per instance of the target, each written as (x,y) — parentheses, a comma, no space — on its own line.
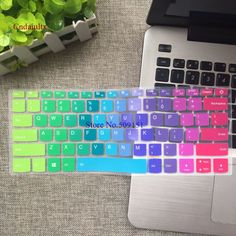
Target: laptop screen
(177,12)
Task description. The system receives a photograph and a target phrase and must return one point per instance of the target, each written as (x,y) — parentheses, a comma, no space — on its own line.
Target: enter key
(214,134)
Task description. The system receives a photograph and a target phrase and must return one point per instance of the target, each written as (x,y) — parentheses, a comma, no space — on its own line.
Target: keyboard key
(97,149)
(99,120)
(131,134)
(233,83)
(68,149)
(33,105)
(18,105)
(165,92)
(221,92)
(54,164)
(170,166)
(137,92)
(207,78)
(38,165)
(54,149)
(155,149)
(68,164)
(161,135)
(192,135)
(140,149)
(107,106)
(163,61)
(124,93)
(26,149)
(117,134)
(92,105)
(120,105)
(207,92)
(164,104)
(179,63)
(61,135)
(202,119)
(134,104)
(164,48)
(45,135)
(46,94)
(32,94)
(215,104)
(126,120)
(179,104)
(172,120)
(150,104)
(75,135)
(220,165)
(186,119)
(85,120)
(206,65)
(232,68)
(59,94)
(161,85)
(70,120)
(186,165)
(211,149)
(90,134)
(178,92)
(141,119)
(192,77)
(214,134)
(48,106)
(113,120)
(55,120)
(21,165)
(233,126)
(220,67)
(222,80)
(99,94)
(194,104)
(186,149)
(233,111)
(40,120)
(24,135)
(125,149)
(147,134)
(177,76)
(83,149)
(152,92)
(73,94)
(170,149)
(176,135)
(18,94)
(203,165)
(218,119)
(78,106)
(85,94)
(111,149)
(192,64)
(154,166)
(112,94)
(162,74)
(157,119)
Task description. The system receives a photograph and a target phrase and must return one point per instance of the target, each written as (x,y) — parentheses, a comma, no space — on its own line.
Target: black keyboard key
(233,141)
(163,61)
(232,68)
(177,76)
(162,74)
(234,126)
(222,80)
(163,85)
(164,48)
(233,111)
(233,81)
(192,64)
(220,67)
(192,77)
(184,86)
(206,65)
(179,63)
(207,78)
(233,96)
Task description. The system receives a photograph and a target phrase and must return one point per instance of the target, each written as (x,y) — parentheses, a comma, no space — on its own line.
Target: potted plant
(30,28)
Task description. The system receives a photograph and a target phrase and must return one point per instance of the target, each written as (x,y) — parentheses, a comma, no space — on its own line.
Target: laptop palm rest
(223,205)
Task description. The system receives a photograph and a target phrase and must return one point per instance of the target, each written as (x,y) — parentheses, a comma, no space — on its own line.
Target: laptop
(198,38)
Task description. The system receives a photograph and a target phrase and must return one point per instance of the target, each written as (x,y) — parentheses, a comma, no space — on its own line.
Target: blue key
(170,149)
(90,134)
(131,134)
(120,105)
(161,135)
(104,134)
(126,119)
(125,149)
(141,119)
(140,149)
(107,106)
(171,120)
(166,92)
(97,149)
(85,120)
(154,166)
(111,149)
(99,94)
(176,135)
(155,149)
(124,93)
(99,119)
(164,104)
(112,94)
(157,119)
(119,165)
(117,134)
(113,119)
(147,134)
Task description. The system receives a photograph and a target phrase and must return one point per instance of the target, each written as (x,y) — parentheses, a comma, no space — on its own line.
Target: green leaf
(10,20)
(4,26)
(5,4)
(88,12)
(54,22)
(23,3)
(73,6)
(19,37)
(38,35)
(32,6)
(92,5)
(1,48)
(4,40)
(40,18)
(54,6)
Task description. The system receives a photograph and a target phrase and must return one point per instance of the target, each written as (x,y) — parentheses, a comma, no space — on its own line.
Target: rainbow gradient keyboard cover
(161,131)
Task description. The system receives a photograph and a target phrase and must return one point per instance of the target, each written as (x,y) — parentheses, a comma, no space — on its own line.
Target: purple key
(152,92)
(202,119)
(166,92)
(147,134)
(150,104)
(195,104)
(154,149)
(179,104)
(139,149)
(131,134)
(170,165)
(161,134)
(192,92)
(154,166)
(142,119)
(126,118)
(176,135)
(192,134)
(157,119)
(164,104)
(137,92)
(170,149)
(134,104)
(171,120)
(178,92)
(186,119)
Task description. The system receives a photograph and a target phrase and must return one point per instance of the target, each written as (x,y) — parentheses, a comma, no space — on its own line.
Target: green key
(73,94)
(63,105)
(21,165)
(49,106)
(40,120)
(32,94)
(78,106)
(99,94)
(75,134)
(54,164)
(68,149)
(86,94)
(92,105)
(55,120)
(45,135)
(46,94)
(54,149)
(68,164)
(26,149)
(84,120)
(60,94)
(83,149)
(18,94)
(70,120)
(33,105)
(18,105)
(90,134)
(38,165)
(24,135)
(24,120)
(60,134)
(97,148)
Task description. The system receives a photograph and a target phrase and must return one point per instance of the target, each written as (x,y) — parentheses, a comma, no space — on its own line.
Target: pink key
(192,92)
(207,92)
(221,165)
(214,134)
(195,104)
(192,134)
(178,92)
(186,165)
(202,119)
(212,149)
(203,165)
(221,92)
(215,104)
(186,149)
(179,104)
(186,119)
(218,119)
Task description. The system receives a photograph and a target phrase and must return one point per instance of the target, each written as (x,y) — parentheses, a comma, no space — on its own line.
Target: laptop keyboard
(146,131)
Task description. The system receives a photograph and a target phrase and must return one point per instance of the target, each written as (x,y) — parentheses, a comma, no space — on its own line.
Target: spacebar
(116,165)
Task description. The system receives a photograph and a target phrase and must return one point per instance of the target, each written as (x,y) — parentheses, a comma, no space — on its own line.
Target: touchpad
(224,199)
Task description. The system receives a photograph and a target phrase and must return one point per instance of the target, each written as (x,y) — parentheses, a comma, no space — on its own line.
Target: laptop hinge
(212,28)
